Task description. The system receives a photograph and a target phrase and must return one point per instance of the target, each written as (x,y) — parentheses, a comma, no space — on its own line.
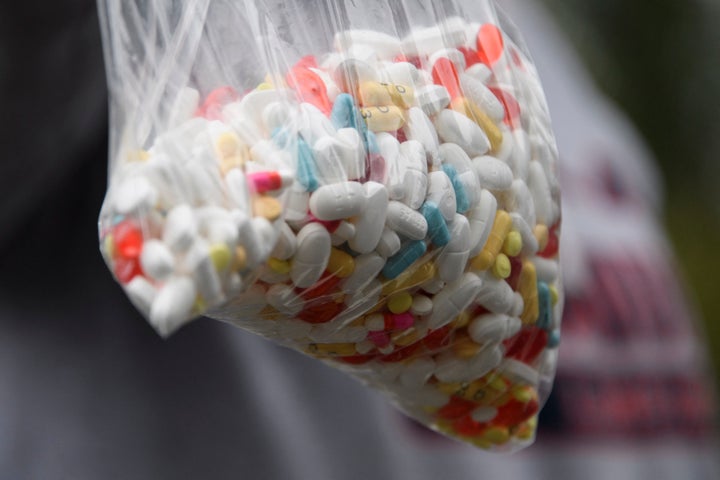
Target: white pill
(496,295)
(480,72)
(352,153)
(519,159)
(519,372)
(442,194)
(311,258)
(451,368)
(405,221)
(134,196)
(180,228)
(284,299)
(328,160)
(530,243)
(389,243)
(425,41)
(492,173)
(314,124)
(419,127)
(141,292)
(481,219)
(350,73)
(400,73)
(338,201)
(157,260)
(433,286)
(367,267)
(344,232)
(295,204)
(386,46)
(546,269)
(453,299)
(417,372)
(540,192)
(480,95)
(237,189)
(253,104)
(493,328)
(432,98)
(454,127)
(276,115)
(453,54)
(286,244)
(414,165)
(484,414)
(504,153)
(370,222)
(173,305)
(454,155)
(453,258)
(184,107)
(200,266)
(421,305)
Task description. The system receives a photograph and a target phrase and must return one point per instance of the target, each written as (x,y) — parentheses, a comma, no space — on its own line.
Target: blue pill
(408,254)
(462,202)
(545,301)
(438,232)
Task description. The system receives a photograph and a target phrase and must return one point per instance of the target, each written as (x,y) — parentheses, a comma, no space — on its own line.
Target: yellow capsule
(265,86)
(474,113)
(497,435)
(240,261)
(340,264)
(373,94)
(554,295)
(386,118)
(402,95)
(500,230)
(527,287)
(267,206)
(462,320)
(228,144)
(541,234)
(405,338)
(399,302)
(501,267)
(332,349)
(411,277)
(279,266)
(464,347)
(109,246)
(523,393)
(220,256)
(513,244)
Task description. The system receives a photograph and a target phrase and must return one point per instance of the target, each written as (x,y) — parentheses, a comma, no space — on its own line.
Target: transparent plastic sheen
(373,184)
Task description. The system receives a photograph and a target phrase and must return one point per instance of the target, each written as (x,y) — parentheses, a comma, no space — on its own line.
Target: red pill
(515,412)
(490,44)
(467,427)
(526,345)
(445,74)
(438,339)
(128,239)
(126,269)
(456,408)
(215,101)
(511,106)
(471,56)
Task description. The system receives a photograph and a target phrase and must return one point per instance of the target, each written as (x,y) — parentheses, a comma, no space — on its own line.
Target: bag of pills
(371,183)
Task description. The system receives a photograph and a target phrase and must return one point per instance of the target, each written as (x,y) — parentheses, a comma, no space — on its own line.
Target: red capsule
(445,74)
(526,345)
(128,239)
(515,412)
(438,339)
(456,408)
(490,44)
(125,269)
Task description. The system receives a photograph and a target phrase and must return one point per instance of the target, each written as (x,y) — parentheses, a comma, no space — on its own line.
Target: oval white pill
(312,255)
(454,127)
(338,201)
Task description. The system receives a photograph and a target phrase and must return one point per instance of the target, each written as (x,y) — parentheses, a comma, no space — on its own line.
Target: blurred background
(660,61)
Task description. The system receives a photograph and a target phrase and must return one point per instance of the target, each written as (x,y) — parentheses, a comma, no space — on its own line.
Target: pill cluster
(390,207)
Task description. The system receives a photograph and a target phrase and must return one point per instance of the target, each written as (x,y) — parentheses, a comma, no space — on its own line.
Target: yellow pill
(513,244)
(523,393)
(402,95)
(138,156)
(461,320)
(497,435)
(265,86)
(228,143)
(500,230)
(387,118)
(501,267)
(229,162)
(220,256)
(482,443)
(267,206)
(340,264)
(554,296)
(541,234)
(464,347)
(526,430)
(527,287)
(279,266)
(372,94)
(109,246)
(474,113)
(240,258)
(199,306)
(399,302)
(406,337)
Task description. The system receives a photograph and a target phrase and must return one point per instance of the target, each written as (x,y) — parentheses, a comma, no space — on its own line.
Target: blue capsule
(408,254)
(545,318)
(438,232)
(461,197)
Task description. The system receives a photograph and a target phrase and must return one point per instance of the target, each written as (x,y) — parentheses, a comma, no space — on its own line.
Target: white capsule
(413,165)
(442,194)
(451,368)
(284,299)
(389,243)
(454,127)
(311,258)
(530,243)
(352,152)
(453,299)
(493,328)
(406,221)
(492,173)
(173,305)
(141,293)
(521,201)
(390,150)
(386,46)
(481,219)
(180,228)
(540,192)
(370,222)
(496,295)
(454,256)
(134,196)
(338,201)
(481,96)
(519,159)
(432,99)
(157,260)
(425,41)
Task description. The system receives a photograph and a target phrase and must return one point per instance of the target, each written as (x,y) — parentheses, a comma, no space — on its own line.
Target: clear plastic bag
(370,183)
